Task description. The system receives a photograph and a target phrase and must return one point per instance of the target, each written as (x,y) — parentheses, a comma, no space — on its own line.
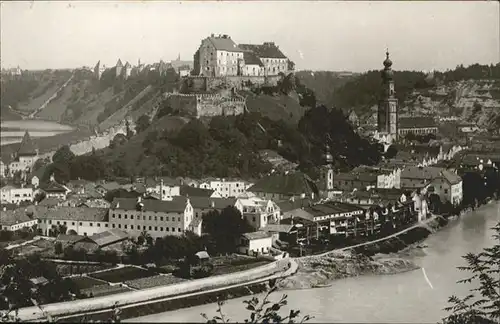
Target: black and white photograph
(250,161)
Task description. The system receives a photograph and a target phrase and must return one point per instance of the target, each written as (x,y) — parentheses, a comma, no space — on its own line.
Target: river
(406,297)
(12,131)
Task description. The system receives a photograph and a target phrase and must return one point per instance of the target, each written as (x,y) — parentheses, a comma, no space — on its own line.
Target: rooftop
(292,183)
(217,203)
(256,235)
(17,216)
(224,43)
(195,192)
(177,204)
(266,50)
(251,58)
(109,237)
(416,122)
(73,213)
(53,187)
(27,146)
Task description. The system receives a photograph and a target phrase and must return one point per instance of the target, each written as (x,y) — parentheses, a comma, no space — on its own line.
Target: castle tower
(388,104)
(119,67)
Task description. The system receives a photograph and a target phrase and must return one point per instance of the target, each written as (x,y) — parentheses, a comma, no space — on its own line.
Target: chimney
(212,204)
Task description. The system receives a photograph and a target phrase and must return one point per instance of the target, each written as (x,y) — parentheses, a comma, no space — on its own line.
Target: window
(113,225)
(119,225)
(58,223)
(156,219)
(173,229)
(113,216)
(120,216)
(156,228)
(149,227)
(106,225)
(178,219)
(125,216)
(131,216)
(125,226)
(149,217)
(144,228)
(90,224)
(179,229)
(445,191)
(64,223)
(166,229)
(132,227)
(80,223)
(161,218)
(143,217)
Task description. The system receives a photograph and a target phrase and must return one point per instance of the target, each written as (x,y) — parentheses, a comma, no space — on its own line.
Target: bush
(202,271)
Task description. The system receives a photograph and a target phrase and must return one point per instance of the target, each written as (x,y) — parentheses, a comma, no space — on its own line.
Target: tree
(129,131)
(118,140)
(262,312)
(225,228)
(482,305)
(58,249)
(142,123)
(391,152)
(63,155)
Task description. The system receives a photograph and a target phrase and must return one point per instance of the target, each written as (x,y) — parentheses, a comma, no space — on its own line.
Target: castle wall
(201,84)
(185,104)
(206,105)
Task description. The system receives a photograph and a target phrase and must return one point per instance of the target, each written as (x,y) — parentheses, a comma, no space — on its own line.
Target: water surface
(405,297)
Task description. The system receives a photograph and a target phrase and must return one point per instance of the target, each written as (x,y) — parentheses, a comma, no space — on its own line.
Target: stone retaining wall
(105,303)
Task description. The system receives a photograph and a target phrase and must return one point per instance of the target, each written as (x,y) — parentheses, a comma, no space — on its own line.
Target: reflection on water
(13,131)
(405,297)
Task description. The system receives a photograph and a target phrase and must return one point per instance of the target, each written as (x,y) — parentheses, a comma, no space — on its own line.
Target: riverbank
(390,255)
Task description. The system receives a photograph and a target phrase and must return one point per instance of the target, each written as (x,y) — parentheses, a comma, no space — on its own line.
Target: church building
(387,117)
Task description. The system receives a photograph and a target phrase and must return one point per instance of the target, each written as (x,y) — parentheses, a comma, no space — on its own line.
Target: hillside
(277,107)
(22,95)
(324,83)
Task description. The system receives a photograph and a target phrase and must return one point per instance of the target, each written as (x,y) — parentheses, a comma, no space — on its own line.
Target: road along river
(412,297)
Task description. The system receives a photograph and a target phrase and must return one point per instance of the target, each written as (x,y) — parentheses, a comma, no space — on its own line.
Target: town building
(448,186)
(255,243)
(190,191)
(349,181)
(331,217)
(204,205)
(226,187)
(53,189)
(417,126)
(15,195)
(81,220)
(284,186)
(387,117)
(157,217)
(273,60)
(258,212)
(109,238)
(25,157)
(165,188)
(14,220)
(218,56)
(127,70)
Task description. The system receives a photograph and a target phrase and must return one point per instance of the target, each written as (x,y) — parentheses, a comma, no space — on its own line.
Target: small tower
(328,170)
(388,104)
(119,67)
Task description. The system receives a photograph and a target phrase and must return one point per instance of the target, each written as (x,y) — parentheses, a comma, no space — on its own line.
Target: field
(123,274)
(85,282)
(154,281)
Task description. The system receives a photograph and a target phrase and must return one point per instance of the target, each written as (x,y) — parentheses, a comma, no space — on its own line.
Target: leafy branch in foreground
(482,305)
(264,311)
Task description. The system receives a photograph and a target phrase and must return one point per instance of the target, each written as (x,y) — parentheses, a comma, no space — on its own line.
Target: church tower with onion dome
(388,105)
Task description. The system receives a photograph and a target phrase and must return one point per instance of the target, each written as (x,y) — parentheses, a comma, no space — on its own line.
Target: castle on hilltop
(219,56)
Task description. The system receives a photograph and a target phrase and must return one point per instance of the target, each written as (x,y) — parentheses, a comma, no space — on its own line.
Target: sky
(322,35)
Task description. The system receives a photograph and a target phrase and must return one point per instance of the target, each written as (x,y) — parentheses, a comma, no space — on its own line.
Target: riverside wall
(139,298)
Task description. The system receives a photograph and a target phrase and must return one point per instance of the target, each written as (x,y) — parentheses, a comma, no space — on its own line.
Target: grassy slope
(323,83)
(95,106)
(56,108)
(42,94)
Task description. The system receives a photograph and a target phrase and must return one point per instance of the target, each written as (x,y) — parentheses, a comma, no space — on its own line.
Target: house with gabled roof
(82,220)
(284,186)
(218,56)
(53,189)
(273,60)
(157,217)
(127,70)
(25,157)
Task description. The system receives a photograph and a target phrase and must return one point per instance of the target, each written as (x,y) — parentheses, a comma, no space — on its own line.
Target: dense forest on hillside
(364,90)
(225,147)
